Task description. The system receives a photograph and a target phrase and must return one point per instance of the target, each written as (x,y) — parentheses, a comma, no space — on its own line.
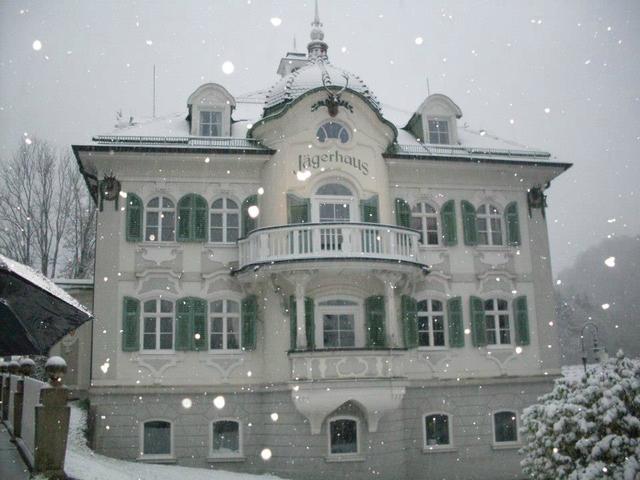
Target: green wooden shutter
(403,213)
(369,210)
(134,218)
(184,335)
(249,322)
(199,324)
(309,322)
(248,224)
(374,312)
(478,331)
(513,224)
(200,214)
(469,223)
(456,325)
(130,324)
(409,308)
(521,316)
(298,209)
(184,218)
(293,322)
(448,217)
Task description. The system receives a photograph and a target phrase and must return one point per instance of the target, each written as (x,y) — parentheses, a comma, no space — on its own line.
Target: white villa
(305,288)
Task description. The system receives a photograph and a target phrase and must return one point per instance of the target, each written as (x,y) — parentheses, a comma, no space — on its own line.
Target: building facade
(312,290)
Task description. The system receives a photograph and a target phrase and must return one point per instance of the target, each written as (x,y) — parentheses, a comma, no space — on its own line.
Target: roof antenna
(428,88)
(295,49)
(154,90)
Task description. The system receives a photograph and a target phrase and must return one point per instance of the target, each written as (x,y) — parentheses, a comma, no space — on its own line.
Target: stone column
(26,369)
(52,423)
(391,281)
(301,337)
(14,369)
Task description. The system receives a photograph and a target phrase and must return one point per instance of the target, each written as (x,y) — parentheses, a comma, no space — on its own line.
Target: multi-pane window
(436,429)
(505,427)
(224,224)
(489,225)
(333,206)
(160,216)
(157,331)
(224,325)
(338,323)
(225,438)
(210,124)
(156,438)
(431,323)
(496,315)
(425,219)
(333,130)
(343,436)
(438,131)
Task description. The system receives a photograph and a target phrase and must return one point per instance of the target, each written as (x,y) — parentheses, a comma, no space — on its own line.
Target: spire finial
(295,48)
(317,48)
(316,18)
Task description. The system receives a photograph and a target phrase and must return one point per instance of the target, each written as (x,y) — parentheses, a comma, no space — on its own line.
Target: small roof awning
(34,312)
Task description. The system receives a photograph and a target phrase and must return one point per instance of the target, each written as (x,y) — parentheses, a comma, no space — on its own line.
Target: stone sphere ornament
(55,367)
(27,366)
(14,367)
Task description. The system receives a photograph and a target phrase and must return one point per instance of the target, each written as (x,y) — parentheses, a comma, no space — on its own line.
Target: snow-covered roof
(40,281)
(310,77)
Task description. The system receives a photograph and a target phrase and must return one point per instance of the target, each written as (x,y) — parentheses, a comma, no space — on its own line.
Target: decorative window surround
(507,444)
(346,421)
(157,457)
(427,447)
(230,456)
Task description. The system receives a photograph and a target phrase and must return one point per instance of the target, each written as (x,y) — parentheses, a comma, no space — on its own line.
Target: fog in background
(560,76)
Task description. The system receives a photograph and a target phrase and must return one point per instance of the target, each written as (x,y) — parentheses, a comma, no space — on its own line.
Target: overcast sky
(560,76)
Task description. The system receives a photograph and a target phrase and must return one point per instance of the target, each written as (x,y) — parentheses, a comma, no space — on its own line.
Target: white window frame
(160,210)
(496,320)
(226,457)
(439,133)
(224,211)
(156,456)
(430,315)
(508,444)
(344,456)
(429,448)
(157,315)
(225,316)
(488,216)
(200,123)
(358,319)
(423,215)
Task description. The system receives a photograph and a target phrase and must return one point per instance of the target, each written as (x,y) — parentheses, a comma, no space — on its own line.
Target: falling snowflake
(276,21)
(37,45)
(274,417)
(228,68)
(610,262)
(253,211)
(605,306)
(265,454)
(186,403)
(219,402)
(419,40)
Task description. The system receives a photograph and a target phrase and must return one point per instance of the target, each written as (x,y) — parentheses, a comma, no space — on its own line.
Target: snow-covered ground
(83,464)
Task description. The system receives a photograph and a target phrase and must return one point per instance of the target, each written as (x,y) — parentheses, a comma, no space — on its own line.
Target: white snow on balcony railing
(216,142)
(329,240)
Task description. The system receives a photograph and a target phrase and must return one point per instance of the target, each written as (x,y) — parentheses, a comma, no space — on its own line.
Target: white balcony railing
(341,364)
(328,241)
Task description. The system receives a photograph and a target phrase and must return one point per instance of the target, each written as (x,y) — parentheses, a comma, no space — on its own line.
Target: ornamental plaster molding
(316,402)
(224,364)
(157,365)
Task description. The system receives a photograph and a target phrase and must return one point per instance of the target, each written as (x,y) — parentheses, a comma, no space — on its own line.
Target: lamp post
(598,352)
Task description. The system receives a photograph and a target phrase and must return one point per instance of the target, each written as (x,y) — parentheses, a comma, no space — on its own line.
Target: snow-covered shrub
(586,429)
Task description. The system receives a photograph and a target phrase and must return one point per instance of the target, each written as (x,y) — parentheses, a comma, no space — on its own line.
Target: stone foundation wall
(396,451)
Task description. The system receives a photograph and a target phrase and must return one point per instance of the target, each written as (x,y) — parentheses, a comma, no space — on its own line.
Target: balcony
(321,365)
(325,241)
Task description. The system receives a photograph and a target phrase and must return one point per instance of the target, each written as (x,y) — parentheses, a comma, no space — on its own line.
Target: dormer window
(210,123)
(438,131)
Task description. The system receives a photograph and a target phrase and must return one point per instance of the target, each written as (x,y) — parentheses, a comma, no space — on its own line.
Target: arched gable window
(333,130)
(160,220)
(224,221)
